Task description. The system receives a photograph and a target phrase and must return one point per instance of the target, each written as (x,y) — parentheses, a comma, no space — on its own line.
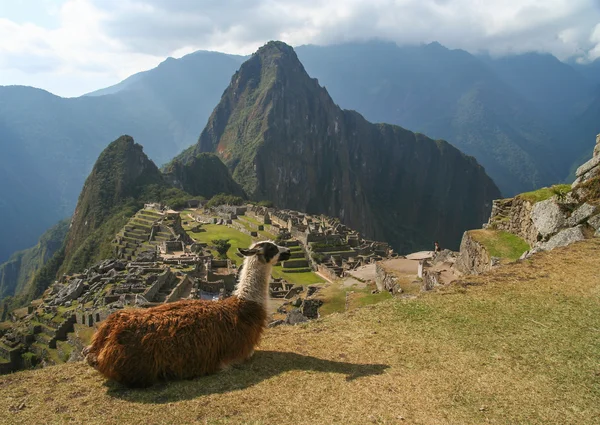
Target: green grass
(500,243)
(239,239)
(306,278)
(236,238)
(545,193)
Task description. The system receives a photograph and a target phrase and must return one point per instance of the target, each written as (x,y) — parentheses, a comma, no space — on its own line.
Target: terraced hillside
(141,234)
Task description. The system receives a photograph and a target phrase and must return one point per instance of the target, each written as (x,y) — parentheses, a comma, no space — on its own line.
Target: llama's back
(178,340)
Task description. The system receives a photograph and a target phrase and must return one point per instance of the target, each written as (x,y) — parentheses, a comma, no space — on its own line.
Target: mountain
(553,88)
(122,175)
(591,71)
(48,144)
(285,140)
(448,94)
(203,175)
(580,130)
(18,272)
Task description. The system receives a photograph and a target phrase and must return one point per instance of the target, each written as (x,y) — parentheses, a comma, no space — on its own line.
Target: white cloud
(104,41)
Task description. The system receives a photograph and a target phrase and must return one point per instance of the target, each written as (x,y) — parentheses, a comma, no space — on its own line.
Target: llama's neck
(254,281)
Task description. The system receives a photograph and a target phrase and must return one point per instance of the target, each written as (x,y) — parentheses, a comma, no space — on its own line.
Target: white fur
(255,277)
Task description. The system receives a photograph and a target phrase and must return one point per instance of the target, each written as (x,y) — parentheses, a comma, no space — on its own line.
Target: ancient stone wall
(178,291)
(513,215)
(473,257)
(164,277)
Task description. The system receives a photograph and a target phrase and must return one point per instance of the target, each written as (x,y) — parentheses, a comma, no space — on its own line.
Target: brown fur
(180,340)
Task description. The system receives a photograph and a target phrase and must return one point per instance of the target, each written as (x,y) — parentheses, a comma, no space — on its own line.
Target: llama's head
(266,252)
(256,270)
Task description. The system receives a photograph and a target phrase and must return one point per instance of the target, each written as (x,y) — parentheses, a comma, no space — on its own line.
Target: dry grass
(517,346)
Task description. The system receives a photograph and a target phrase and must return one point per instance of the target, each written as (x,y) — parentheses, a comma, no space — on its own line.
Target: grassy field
(545,193)
(237,240)
(500,244)
(520,345)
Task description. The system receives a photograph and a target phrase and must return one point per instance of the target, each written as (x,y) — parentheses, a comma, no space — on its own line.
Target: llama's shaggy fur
(187,338)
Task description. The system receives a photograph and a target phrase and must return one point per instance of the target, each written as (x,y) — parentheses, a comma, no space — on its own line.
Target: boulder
(547,217)
(588,166)
(581,214)
(71,292)
(595,222)
(310,308)
(294,317)
(563,238)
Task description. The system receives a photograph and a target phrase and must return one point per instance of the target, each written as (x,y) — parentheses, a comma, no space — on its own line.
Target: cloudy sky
(71,47)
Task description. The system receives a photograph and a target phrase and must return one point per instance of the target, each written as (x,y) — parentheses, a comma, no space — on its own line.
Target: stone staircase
(298,262)
(142,233)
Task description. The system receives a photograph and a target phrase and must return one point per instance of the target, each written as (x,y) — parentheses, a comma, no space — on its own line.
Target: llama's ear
(247,252)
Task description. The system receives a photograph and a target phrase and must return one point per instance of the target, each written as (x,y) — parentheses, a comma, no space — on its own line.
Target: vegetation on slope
(499,243)
(546,193)
(18,272)
(203,175)
(518,345)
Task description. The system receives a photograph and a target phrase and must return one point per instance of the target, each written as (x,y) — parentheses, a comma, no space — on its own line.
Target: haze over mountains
(526,128)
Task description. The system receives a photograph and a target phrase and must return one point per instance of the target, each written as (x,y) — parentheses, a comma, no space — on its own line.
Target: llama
(188,338)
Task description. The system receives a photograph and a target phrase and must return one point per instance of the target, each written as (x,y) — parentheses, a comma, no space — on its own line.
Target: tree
(222,246)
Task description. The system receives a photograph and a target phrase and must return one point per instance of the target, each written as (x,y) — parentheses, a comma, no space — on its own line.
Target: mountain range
(276,135)
(527,119)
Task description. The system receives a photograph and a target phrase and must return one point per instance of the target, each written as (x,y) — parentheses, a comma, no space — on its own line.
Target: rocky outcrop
(285,140)
(563,238)
(558,221)
(591,168)
(473,258)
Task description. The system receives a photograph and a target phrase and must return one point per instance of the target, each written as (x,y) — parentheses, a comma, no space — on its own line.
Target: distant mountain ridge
(48,144)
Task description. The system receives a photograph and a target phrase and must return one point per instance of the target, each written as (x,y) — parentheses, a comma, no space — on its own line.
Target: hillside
(285,140)
(203,175)
(16,275)
(518,345)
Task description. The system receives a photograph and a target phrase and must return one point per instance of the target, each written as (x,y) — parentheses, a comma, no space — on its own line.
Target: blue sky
(71,47)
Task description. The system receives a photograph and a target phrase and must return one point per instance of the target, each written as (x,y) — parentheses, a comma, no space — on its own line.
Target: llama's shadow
(263,365)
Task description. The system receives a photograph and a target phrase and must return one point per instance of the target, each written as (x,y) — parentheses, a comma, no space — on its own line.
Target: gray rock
(547,217)
(595,222)
(146,257)
(581,214)
(588,166)
(294,317)
(310,308)
(563,238)
(276,323)
(71,292)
